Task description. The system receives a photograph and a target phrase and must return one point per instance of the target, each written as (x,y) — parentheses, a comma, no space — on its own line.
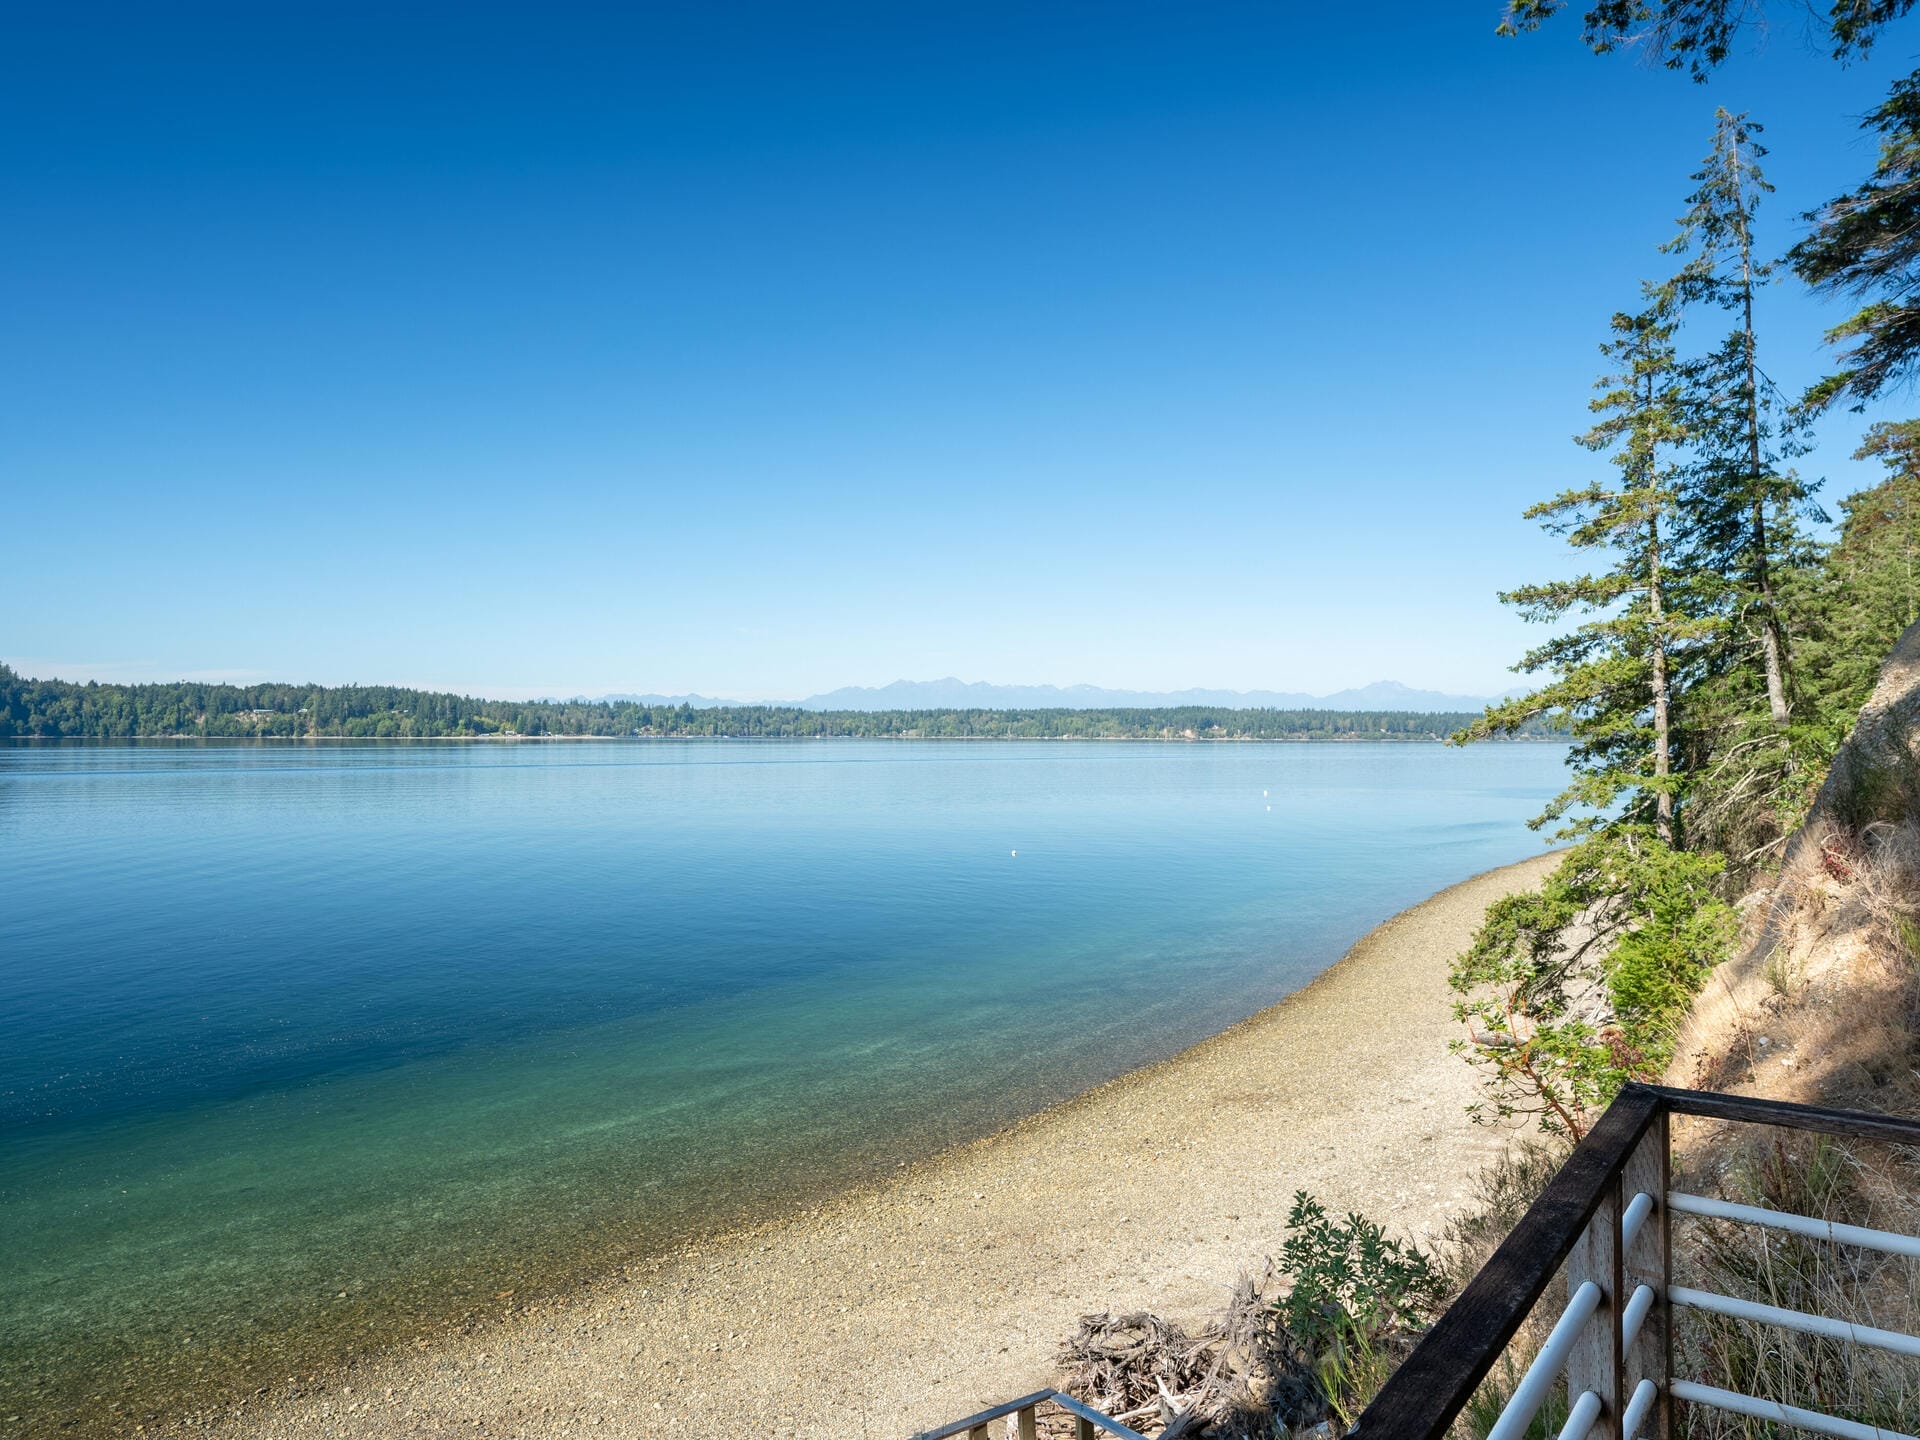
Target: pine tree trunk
(1662,698)
(1657,612)
(1771,648)
(1776,689)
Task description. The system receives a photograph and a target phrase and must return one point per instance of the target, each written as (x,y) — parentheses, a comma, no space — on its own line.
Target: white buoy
(1015,854)
(1263,794)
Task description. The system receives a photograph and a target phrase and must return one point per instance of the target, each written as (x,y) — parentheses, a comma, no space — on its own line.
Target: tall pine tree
(1740,502)
(1571,990)
(1614,673)
(1641,423)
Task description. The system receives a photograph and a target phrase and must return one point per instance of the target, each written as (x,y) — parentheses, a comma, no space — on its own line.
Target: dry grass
(1501,1194)
(1823,1006)
(1810,1175)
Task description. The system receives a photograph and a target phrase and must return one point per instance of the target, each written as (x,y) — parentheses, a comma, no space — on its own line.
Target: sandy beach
(947,1288)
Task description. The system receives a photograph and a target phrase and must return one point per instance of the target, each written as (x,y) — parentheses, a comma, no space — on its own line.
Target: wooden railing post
(1594,1362)
(1648,1261)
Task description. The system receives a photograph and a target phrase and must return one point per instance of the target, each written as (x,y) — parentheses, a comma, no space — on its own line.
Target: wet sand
(897,1307)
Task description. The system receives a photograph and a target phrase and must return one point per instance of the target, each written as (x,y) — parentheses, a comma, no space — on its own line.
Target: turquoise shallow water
(312,1047)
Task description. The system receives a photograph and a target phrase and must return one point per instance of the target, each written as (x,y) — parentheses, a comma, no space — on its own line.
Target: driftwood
(1229,1381)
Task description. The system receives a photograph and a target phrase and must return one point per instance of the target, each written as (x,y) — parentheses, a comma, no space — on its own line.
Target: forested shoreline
(65,710)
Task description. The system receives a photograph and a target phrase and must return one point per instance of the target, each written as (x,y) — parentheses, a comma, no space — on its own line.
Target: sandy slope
(949,1287)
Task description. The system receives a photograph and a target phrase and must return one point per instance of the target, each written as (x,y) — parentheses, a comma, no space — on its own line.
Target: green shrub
(1355,1301)
(1624,915)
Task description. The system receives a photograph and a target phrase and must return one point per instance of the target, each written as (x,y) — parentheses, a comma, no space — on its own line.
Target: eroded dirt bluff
(1819,1003)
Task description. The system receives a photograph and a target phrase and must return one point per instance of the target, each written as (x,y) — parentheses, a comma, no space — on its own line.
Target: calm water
(307,1048)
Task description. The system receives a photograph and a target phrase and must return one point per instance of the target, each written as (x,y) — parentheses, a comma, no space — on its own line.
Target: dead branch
(1230,1381)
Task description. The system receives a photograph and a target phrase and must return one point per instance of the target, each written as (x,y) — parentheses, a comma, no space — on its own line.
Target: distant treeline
(59,709)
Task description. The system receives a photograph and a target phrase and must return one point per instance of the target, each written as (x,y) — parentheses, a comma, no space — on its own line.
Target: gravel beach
(897,1307)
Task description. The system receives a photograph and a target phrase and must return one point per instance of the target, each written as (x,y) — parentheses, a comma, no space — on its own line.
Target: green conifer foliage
(1868,589)
(1740,503)
(1867,244)
(1612,675)
(1572,990)
(1768,643)
(1697,35)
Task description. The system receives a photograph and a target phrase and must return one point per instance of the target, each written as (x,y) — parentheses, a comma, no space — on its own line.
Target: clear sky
(757,350)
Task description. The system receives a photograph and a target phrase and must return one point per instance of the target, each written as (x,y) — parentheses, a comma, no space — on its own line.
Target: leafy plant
(1356,1297)
(1570,991)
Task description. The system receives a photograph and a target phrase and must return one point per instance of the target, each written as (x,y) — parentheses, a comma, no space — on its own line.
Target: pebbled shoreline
(896,1307)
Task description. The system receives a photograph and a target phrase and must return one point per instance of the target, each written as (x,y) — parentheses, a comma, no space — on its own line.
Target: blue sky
(757,350)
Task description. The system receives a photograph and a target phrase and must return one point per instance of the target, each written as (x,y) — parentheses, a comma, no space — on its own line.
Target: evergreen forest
(1717,629)
(59,709)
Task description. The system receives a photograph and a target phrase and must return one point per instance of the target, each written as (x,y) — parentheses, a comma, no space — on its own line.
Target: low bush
(1355,1299)
(1570,991)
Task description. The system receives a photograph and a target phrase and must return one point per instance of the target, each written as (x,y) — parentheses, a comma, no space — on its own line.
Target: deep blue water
(311,1046)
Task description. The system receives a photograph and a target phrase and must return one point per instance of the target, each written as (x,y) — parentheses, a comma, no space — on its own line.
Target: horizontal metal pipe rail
(1422,1399)
(1581,1415)
(1639,1306)
(1821,1325)
(1634,1219)
(1737,1404)
(1088,1422)
(1537,1383)
(1885,1241)
(1639,1407)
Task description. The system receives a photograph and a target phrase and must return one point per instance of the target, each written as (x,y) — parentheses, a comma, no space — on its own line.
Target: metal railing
(1605,1219)
(1087,1421)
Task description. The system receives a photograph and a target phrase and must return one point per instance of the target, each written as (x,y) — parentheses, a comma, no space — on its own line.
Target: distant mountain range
(954,694)
(698,702)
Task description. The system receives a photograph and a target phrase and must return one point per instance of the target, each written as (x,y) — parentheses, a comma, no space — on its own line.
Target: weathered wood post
(1594,1362)
(1649,1261)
